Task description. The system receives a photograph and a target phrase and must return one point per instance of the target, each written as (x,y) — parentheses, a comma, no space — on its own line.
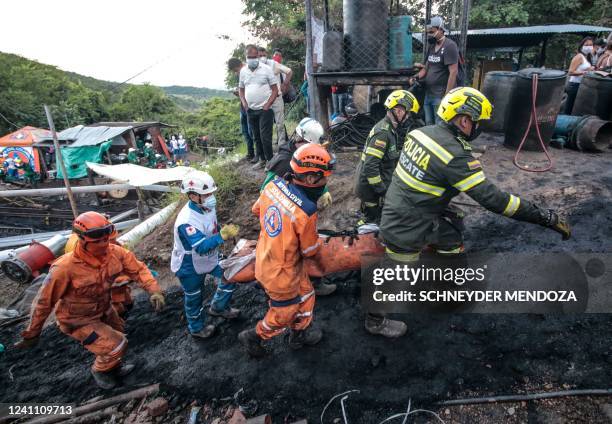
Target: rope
(533,119)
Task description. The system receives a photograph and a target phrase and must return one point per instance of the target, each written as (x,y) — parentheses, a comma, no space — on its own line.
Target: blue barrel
(400,42)
(565,124)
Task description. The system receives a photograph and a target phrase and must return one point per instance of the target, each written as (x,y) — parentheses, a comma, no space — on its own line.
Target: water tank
(365,34)
(498,87)
(400,42)
(594,97)
(551,84)
(333,52)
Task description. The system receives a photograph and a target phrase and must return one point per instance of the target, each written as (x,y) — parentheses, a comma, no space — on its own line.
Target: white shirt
(278,68)
(257,85)
(582,67)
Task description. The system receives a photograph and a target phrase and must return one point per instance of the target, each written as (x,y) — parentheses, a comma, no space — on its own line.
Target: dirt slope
(442,356)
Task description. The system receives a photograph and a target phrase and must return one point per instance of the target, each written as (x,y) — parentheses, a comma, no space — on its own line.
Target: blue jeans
(246,132)
(430,107)
(194,307)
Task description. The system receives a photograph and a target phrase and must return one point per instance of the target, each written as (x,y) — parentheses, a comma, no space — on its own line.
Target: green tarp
(75,158)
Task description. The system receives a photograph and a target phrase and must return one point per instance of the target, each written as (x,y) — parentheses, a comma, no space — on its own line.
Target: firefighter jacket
(434,166)
(378,160)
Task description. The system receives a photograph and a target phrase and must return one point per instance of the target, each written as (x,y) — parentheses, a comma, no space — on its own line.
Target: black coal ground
(442,356)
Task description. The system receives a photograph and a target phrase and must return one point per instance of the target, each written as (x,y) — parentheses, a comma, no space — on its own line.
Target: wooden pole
(465,19)
(58,151)
(427,19)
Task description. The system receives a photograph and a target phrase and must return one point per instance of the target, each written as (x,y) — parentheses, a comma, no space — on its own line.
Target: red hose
(533,118)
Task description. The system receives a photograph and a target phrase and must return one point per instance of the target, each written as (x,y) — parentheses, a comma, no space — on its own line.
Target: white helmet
(148,145)
(310,130)
(131,149)
(198,182)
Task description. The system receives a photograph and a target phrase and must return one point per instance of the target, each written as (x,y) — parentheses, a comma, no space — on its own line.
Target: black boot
(311,336)
(252,342)
(124,369)
(322,288)
(104,380)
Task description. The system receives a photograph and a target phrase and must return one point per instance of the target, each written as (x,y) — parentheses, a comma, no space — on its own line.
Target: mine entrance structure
(358,50)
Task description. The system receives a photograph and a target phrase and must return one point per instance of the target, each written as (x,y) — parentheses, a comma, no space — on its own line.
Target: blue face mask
(210,202)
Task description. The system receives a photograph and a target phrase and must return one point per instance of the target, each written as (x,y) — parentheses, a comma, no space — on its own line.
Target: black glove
(379,189)
(555,222)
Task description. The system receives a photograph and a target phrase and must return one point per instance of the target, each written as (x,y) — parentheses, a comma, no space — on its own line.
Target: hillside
(78,99)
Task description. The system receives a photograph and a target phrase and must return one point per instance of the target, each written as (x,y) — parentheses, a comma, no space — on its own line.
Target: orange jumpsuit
(78,286)
(288,234)
(121,293)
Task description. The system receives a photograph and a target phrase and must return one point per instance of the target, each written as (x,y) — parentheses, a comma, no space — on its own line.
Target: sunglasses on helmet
(98,233)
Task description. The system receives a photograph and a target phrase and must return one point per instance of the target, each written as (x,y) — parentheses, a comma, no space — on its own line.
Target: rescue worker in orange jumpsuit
(121,292)
(287,211)
(78,287)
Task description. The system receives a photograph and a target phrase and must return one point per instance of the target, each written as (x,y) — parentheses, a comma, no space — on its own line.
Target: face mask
(431,39)
(252,63)
(263,59)
(587,49)
(210,202)
(313,193)
(476,131)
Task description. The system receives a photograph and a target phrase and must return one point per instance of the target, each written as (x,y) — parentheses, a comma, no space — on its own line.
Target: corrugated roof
(518,36)
(136,125)
(91,136)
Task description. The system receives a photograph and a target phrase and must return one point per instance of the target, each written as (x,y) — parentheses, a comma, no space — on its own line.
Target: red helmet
(92,226)
(313,158)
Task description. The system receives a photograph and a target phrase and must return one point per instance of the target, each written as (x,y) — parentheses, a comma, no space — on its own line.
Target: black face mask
(313,193)
(476,131)
(431,39)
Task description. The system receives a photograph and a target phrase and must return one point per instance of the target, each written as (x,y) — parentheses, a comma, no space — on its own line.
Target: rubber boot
(310,336)
(124,369)
(229,313)
(205,332)
(323,289)
(379,325)
(252,342)
(104,380)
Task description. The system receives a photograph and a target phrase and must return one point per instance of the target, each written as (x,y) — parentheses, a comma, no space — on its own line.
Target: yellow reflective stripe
(471,181)
(419,185)
(402,257)
(375,180)
(432,146)
(454,251)
(374,152)
(512,206)
(363,156)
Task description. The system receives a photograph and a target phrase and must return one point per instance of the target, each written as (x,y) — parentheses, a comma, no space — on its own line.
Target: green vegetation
(76,99)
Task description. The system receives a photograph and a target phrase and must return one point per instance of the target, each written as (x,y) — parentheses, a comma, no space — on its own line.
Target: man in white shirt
(284,74)
(258,89)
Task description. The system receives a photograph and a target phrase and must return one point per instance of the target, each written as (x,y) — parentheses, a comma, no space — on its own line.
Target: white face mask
(263,59)
(252,63)
(587,49)
(210,202)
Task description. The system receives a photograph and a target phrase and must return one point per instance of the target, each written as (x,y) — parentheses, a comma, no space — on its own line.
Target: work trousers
(194,300)
(103,338)
(246,133)
(279,118)
(261,123)
(295,314)
(430,108)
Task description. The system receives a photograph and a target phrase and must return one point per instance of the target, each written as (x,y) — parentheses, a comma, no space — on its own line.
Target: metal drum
(594,97)
(498,87)
(551,84)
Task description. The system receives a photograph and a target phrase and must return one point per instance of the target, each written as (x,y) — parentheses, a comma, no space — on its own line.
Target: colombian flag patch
(475,164)
(380,143)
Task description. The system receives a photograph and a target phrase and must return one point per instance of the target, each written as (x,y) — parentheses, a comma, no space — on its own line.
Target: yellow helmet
(465,101)
(402,98)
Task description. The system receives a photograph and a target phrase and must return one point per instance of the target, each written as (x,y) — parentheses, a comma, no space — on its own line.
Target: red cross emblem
(191,183)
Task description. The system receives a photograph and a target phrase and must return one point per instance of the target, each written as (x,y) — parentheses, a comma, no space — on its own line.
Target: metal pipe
(28,238)
(58,191)
(132,237)
(123,215)
(312,89)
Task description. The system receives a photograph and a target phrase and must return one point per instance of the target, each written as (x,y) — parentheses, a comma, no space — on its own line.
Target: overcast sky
(115,39)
